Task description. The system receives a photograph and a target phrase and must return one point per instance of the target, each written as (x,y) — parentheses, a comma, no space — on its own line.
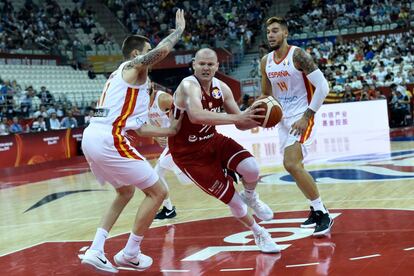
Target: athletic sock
(317,205)
(132,247)
(99,240)
(249,193)
(167,204)
(256,228)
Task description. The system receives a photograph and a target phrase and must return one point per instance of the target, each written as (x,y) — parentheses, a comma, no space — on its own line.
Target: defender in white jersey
(290,75)
(123,106)
(160,105)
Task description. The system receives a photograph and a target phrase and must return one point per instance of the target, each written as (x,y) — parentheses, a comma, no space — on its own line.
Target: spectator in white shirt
(54,121)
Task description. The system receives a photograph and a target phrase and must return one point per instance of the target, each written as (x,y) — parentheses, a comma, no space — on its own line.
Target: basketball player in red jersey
(290,75)
(202,153)
(124,106)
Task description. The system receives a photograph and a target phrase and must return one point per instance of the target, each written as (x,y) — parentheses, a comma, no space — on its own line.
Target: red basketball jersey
(192,137)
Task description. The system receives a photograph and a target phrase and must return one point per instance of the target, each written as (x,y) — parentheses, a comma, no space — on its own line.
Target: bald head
(206,53)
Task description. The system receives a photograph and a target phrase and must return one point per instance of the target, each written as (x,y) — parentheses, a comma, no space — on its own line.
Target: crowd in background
(312,16)
(208,22)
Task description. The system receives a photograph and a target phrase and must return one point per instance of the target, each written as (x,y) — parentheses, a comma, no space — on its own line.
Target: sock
(317,205)
(167,204)
(256,228)
(249,193)
(99,240)
(132,247)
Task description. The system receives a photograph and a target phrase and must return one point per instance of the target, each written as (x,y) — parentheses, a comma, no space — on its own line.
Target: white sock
(132,247)
(167,203)
(256,228)
(249,193)
(317,205)
(99,240)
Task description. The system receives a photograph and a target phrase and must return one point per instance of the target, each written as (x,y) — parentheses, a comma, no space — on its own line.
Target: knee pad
(248,169)
(237,207)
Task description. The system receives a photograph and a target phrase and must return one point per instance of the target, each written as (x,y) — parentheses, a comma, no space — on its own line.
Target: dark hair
(133,42)
(277,19)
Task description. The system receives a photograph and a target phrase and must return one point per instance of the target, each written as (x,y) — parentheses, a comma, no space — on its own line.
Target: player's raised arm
(163,48)
(304,62)
(266,85)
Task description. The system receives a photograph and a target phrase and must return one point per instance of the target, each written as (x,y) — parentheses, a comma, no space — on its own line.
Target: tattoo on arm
(157,54)
(303,61)
(309,113)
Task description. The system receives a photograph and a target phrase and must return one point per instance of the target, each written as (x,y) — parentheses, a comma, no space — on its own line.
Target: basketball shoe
(165,213)
(261,209)
(323,223)
(98,260)
(311,221)
(139,262)
(265,243)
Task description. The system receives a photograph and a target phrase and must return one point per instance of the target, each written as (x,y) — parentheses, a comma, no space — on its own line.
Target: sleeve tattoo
(303,61)
(158,53)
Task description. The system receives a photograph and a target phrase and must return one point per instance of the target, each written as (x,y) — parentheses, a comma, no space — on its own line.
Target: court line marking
(236,269)
(83,248)
(409,248)
(364,257)
(175,270)
(298,265)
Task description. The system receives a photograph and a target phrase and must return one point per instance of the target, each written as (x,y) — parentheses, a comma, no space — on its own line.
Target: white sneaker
(261,209)
(265,243)
(140,262)
(98,260)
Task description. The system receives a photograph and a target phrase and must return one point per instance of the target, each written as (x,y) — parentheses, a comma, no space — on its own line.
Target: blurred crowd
(312,16)
(33,111)
(208,22)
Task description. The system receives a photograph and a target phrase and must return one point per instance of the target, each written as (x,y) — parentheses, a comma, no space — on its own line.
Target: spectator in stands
(69,121)
(41,112)
(399,107)
(4,126)
(88,117)
(54,122)
(381,74)
(16,127)
(410,76)
(349,96)
(39,124)
(45,96)
(17,89)
(245,102)
(379,95)
(91,72)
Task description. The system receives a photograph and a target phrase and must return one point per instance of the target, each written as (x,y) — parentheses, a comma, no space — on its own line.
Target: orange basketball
(273,111)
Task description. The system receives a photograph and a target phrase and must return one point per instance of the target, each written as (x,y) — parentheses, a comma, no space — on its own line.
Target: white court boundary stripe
(364,257)
(175,270)
(194,220)
(297,265)
(410,248)
(236,269)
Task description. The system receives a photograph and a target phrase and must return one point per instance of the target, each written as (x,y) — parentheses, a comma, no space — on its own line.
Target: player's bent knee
(292,166)
(249,169)
(237,207)
(157,191)
(126,192)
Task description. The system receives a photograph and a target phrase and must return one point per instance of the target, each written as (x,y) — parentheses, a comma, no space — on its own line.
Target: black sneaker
(311,221)
(323,223)
(166,213)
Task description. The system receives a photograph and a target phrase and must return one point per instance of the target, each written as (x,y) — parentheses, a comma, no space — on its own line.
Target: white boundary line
(410,248)
(364,257)
(298,265)
(236,269)
(174,270)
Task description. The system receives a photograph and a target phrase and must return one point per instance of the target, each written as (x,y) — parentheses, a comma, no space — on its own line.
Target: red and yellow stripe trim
(127,109)
(308,130)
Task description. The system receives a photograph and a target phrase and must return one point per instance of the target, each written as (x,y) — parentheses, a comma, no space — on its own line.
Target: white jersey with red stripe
(289,85)
(122,105)
(156,116)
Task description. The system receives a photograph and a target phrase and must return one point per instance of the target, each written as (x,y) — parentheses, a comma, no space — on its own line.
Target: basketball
(273,111)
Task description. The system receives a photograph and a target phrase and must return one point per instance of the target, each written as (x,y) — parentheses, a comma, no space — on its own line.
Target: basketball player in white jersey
(123,106)
(202,153)
(290,75)
(160,105)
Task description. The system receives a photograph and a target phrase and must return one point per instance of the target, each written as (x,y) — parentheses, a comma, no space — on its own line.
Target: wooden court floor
(68,208)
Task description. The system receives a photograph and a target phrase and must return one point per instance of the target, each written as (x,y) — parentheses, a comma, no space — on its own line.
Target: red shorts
(205,167)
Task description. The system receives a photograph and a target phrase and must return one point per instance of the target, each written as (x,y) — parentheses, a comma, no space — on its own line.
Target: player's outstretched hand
(248,118)
(179,20)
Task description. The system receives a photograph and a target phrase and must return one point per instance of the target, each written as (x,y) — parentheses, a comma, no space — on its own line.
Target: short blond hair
(277,19)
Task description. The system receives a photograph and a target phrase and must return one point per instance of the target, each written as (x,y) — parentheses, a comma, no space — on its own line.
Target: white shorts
(114,160)
(286,139)
(166,162)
